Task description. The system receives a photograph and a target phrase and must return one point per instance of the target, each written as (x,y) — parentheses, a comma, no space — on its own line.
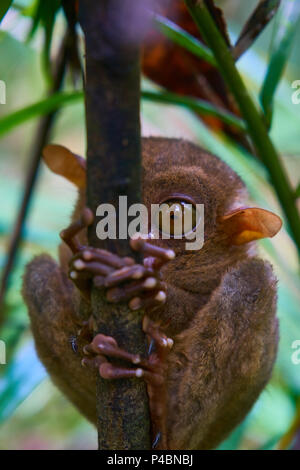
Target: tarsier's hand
(121,277)
(140,286)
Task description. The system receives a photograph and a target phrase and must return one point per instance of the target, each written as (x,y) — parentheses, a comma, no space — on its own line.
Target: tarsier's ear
(248,224)
(63,162)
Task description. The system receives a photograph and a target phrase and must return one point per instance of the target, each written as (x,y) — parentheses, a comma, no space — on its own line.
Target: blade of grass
(281,48)
(56,101)
(255,124)
(45,106)
(200,106)
(184,39)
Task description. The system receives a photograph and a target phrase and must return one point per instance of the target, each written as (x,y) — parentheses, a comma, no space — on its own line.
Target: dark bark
(112,94)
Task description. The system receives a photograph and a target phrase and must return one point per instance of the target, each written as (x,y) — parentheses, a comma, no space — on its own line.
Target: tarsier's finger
(103,345)
(127,273)
(110,371)
(141,245)
(91,349)
(155,300)
(118,294)
(153,331)
(68,235)
(93,363)
(104,257)
(89,268)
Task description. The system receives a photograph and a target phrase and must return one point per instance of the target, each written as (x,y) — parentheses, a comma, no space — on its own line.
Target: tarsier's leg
(139,285)
(52,301)
(224,358)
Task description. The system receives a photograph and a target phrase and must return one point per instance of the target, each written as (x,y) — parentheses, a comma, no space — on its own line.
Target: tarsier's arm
(211,359)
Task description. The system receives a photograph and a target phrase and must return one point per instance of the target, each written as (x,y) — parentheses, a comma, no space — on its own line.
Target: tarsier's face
(180,176)
(177,173)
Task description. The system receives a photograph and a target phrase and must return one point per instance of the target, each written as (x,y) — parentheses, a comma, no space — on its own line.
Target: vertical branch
(112,95)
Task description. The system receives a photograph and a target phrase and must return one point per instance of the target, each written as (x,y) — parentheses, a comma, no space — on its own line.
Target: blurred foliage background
(33,414)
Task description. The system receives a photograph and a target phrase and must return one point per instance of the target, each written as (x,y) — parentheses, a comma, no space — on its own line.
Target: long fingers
(141,245)
(126,292)
(69,235)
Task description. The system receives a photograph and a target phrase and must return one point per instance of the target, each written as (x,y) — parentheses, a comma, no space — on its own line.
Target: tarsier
(210,315)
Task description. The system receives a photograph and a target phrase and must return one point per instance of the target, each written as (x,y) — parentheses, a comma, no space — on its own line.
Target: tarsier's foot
(151,369)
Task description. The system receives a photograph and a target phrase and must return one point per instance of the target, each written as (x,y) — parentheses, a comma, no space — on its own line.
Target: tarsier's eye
(177,217)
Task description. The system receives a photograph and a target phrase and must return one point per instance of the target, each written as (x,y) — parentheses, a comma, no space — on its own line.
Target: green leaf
(20,378)
(202,107)
(184,39)
(288,21)
(54,102)
(4,7)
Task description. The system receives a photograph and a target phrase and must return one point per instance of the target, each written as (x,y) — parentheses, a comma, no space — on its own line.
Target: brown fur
(220,309)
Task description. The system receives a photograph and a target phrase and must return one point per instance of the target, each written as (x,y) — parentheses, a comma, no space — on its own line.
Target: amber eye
(176,217)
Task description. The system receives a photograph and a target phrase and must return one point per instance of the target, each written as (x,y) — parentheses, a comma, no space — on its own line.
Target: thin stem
(256,126)
(41,139)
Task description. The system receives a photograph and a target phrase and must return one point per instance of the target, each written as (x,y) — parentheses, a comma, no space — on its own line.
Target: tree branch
(112,95)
